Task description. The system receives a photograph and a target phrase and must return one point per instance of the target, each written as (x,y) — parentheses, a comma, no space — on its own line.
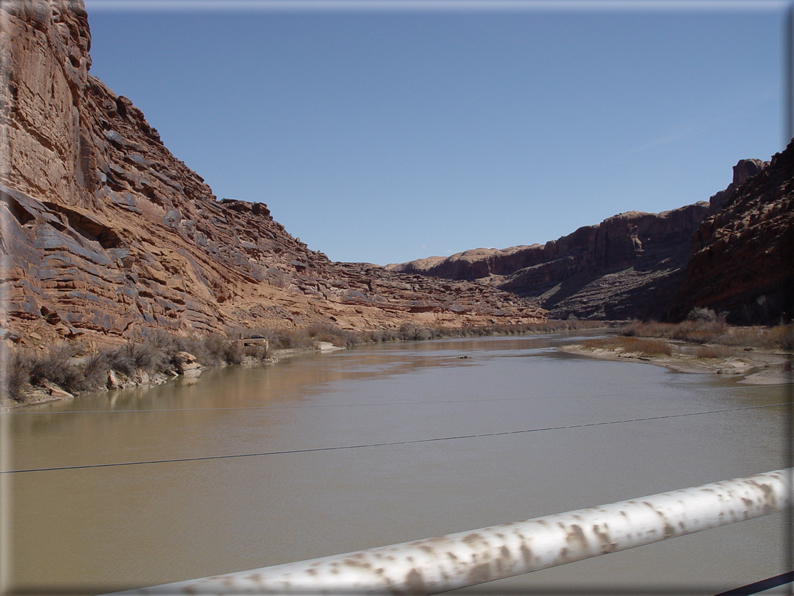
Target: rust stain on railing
(474,557)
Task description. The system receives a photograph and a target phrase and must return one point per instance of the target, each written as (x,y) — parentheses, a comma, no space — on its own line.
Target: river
(330,453)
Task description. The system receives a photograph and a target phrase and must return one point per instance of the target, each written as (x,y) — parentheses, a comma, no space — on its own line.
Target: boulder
(186,364)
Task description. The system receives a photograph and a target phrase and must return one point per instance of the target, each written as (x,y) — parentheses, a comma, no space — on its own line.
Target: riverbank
(69,370)
(748,365)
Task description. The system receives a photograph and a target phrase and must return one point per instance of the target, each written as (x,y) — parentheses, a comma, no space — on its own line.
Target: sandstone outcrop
(106,234)
(743,261)
(631,265)
(627,266)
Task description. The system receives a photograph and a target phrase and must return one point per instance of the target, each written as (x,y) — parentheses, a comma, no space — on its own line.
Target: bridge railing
(477,556)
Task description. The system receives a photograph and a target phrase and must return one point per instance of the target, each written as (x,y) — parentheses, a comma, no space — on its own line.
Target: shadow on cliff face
(743,261)
(733,254)
(639,291)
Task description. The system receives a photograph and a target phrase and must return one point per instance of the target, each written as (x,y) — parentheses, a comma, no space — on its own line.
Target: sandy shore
(749,365)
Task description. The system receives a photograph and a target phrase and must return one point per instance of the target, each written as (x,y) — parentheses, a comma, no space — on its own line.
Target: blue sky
(384,134)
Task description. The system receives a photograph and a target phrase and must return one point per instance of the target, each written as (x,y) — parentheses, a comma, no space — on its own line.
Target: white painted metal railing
(469,558)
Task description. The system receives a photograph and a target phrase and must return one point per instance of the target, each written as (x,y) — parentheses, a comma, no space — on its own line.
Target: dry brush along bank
(751,354)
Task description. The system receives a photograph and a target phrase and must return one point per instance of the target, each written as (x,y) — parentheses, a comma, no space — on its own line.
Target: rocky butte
(106,234)
(732,254)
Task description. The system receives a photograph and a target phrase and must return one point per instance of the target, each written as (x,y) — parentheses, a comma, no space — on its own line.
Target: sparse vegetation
(54,366)
(712,336)
(706,331)
(65,366)
(651,347)
(714,352)
(704,335)
(17,372)
(333,334)
(704,314)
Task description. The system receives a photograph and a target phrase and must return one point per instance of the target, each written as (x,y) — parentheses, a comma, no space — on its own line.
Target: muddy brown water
(350,465)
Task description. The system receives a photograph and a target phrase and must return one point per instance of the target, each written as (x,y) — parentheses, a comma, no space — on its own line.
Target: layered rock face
(743,261)
(106,234)
(733,253)
(627,266)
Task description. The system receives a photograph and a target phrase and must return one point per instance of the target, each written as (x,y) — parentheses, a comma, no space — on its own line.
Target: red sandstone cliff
(621,268)
(743,261)
(628,266)
(105,233)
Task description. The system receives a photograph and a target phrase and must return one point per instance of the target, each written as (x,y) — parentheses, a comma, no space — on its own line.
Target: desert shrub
(553,326)
(758,337)
(121,361)
(408,331)
(377,336)
(436,332)
(55,366)
(696,331)
(714,351)
(382,335)
(651,347)
(700,331)
(154,353)
(715,332)
(423,334)
(161,343)
(257,352)
(700,313)
(332,334)
(411,332)
(632,329)
(291,339)
(149,355)
(782,336)
(209,350)
(478,331)
(95,373)
(648,329)
(18,365)
(233,352)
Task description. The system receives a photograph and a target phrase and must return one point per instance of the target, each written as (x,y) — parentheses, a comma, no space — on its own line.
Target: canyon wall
(631,265)
(622,268)
(743,261)
(106,234)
